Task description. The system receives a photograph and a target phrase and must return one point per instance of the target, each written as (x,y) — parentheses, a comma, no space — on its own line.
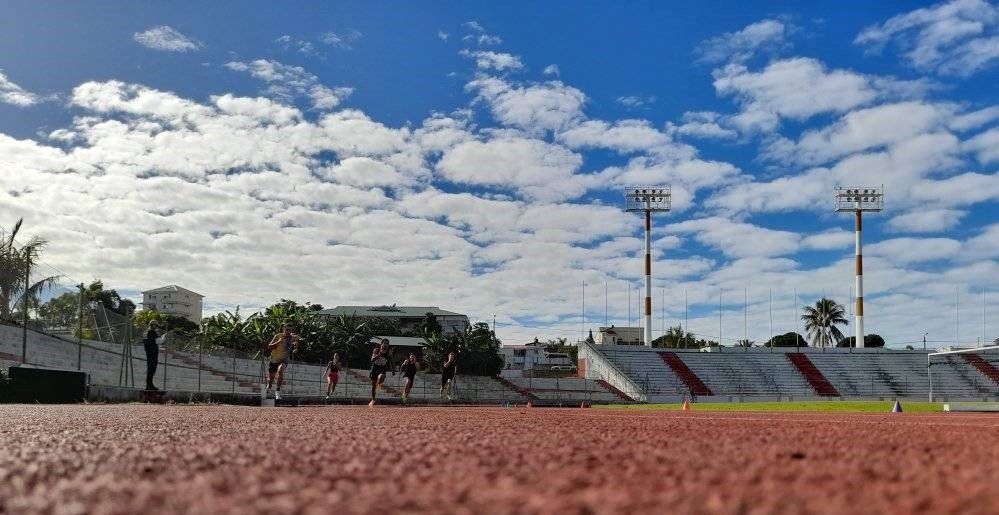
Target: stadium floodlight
(859,199)
(647,199)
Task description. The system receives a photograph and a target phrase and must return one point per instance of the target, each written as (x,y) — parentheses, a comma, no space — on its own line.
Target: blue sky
(472,156)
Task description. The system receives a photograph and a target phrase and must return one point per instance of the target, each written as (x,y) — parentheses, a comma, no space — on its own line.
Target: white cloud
(862,129)
(829,240)
(552,69)
(536,107)
(926,220)
(738,239)
(537,170)
(343,39)
(975,119)
(441,35)
(701,124)
(743,44)
(166,38)
(625,136)
(985,146)
(479,34)
(498,61)
(635,101)
(473,26)
(959,37)
(287,82)
(914,250)
(800,88)
(299,45)
(13,94)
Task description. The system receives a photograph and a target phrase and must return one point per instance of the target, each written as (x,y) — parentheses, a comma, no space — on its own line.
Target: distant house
(408,318)
(619,335)
(174,300)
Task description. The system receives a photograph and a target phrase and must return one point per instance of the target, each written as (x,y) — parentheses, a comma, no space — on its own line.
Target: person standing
(409,369)
(447,374)
(152,347)
(333,374)
(281,347)
(380,364)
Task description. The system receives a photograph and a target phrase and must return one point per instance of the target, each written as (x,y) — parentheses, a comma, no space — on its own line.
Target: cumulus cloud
(13,94)
(702,124)
(799,88)
(167,39)
(536,107)
(288,82)
(552,69)
(985,146)
(926,220)
(960,37)
(499,61)
(743,44)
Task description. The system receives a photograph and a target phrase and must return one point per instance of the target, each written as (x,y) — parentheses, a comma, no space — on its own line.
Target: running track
(242,460)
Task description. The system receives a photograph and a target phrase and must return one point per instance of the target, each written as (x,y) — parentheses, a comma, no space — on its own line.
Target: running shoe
(277,395)
(371,404)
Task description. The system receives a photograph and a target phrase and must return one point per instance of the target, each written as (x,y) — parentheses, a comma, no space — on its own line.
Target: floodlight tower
(859,199)
(647,199)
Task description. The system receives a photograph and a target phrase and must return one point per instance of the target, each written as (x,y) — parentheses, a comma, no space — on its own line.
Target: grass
(817,406)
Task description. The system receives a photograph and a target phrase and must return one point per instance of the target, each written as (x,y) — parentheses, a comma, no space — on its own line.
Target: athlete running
(447,374)
(380,364)
(333,374)
(408,369)
(281,347)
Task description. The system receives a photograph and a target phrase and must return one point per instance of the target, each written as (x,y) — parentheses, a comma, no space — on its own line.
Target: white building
(619,335)
(532,356)
(174,300)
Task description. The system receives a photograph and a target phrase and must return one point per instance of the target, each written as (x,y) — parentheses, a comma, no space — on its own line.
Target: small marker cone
(897,408)
(686,405)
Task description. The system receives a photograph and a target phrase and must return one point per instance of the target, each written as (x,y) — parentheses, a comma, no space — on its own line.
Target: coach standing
(152,354)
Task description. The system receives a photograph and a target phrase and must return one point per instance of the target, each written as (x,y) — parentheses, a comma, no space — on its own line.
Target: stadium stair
(987,369)
(815,378)
(689,378)
(522,391)
(254,386)
(610,388)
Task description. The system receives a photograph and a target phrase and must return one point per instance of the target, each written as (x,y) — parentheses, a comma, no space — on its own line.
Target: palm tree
(821,321)
(15,264)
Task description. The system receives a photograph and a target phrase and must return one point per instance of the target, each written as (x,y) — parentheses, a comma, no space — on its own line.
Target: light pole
(859,199)
(647,199)
(924,340)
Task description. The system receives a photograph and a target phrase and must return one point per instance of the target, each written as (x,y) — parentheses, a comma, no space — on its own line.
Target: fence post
(234,376)
(24,328)
(166,365)
(79,332)
(200,344)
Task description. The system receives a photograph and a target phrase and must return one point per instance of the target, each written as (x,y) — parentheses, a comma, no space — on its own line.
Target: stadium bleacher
(763,373)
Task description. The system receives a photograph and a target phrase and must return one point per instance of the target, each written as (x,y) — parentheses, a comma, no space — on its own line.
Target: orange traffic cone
(686,405)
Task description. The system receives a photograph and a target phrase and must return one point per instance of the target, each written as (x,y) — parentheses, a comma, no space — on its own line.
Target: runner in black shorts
(380,364)
(408,369)
(447,374)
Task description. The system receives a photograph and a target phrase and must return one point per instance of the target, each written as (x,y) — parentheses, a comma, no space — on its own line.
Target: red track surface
(227,459)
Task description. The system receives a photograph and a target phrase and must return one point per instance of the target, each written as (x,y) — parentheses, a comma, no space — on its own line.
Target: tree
(791,339)
(15,263)
(477,349)
(110,299)
(675,338)
(589,339)
(870,340)
(61,311)
(430,325)
(744,343)
(821,321)
(143,318)
(562,346)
